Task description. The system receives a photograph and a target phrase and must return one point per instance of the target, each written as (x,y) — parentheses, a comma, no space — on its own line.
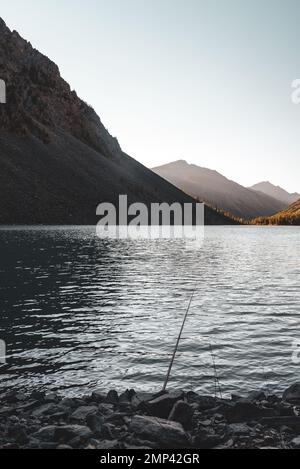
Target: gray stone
(165,433)
(95,423)
(106,409)
(278,422)
(69,432)
(52,397)
(161,406)
(203,402)
(67,402)
(46,409)
(182,412)
(97,397)
(296,442)
(292,394)
(112,397)
(245,412)
(256,396)
(82,413)
(238,429)
(46,433)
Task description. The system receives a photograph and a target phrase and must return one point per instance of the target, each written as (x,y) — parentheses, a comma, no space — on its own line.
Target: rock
(95,423)
(37,396)
(127,396)
(67,402)
(45,409)
(161,406)
(182,412)
(52,397)
(256,396)
(28,406)
(296,442)
(207,440)
(47,445)
(244,412)
(108,444)
(112,397)
(65,447)
(203,402)
(6,410)
(292,394)
(97,397)
(140,397)
(18,432)
(165,433)
(227,445)
(21,397)
(106,409)
(46,433)
(82,413)
(278,422)
(238,429)
(69,432)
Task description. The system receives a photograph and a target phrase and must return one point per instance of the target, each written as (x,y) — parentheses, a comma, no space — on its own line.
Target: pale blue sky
(208,81)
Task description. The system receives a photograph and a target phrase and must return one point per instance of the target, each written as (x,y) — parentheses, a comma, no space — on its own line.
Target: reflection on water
(80,313)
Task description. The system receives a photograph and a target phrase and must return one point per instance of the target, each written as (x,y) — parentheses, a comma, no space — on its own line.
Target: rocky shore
(144,421)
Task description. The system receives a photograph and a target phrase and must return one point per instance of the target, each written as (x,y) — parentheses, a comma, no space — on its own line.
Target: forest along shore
(145,421)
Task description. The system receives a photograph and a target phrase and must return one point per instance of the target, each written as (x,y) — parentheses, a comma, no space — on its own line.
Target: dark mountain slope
(218,191)
(57,160)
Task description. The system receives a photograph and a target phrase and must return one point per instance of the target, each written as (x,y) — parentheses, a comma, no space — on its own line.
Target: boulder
(161,406)
(238,429)
(46,409)
(182,412)
(46,433)
(112,397)
(292,394)
(206,439)
(243,411)
(203,402)
(296,443)
(95,423)
(127,395)
(97,397)
(69,432)
(256,396)
(81,414)
(165,433)
(278,422)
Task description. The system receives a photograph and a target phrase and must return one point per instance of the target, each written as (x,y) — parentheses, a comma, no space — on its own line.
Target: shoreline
(131,421)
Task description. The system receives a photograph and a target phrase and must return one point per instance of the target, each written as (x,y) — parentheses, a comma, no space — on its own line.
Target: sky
(207,81)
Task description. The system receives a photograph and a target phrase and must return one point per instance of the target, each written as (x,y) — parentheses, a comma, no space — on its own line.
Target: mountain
(276,192)
(57,160)
(218,191)
(289,216)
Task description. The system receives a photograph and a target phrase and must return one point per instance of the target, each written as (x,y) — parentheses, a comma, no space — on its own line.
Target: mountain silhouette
(57,160)
(276,192)
(218,191)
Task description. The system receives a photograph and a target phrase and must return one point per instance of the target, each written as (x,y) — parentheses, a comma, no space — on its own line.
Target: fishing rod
(178,340)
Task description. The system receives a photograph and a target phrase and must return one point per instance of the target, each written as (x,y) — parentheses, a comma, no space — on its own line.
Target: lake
(78,313)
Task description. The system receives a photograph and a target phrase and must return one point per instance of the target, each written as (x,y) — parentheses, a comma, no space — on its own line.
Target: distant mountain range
(218,191)
(276,192)
(289,216)
(57,160)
